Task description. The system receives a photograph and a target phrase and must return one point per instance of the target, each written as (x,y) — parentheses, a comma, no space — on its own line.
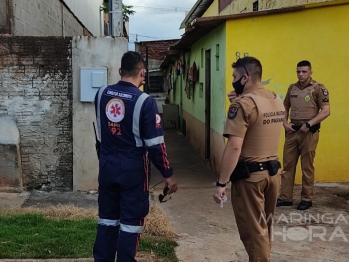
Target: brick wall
(155,47)
(36,89)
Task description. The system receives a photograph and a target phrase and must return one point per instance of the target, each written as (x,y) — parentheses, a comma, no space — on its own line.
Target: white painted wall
(90,52)
(87,11)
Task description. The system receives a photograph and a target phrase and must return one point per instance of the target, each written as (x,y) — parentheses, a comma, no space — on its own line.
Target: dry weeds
(157,222)
(60,211)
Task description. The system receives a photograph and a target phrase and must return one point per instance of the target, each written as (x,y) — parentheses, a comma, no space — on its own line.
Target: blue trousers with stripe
(123,202)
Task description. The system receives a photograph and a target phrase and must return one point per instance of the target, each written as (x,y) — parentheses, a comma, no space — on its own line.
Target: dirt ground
(209,233)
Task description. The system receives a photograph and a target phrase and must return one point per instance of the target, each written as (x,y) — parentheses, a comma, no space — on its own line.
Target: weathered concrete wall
(195,133)
(3,17)
(36,90)
(87,11)
(90,52)
(10,162)
(217,146)
(71,26)
(43,18)
(228,7)
(9,175)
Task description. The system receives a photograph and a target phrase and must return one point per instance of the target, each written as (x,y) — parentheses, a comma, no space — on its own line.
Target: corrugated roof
(197,10)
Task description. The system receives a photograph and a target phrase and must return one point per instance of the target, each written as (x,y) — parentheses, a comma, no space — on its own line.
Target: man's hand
(288,128)
(304,129)
(232,95)
(219,194)
(171,184)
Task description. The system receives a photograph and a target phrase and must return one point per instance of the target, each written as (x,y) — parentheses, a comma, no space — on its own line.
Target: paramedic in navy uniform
(129,126)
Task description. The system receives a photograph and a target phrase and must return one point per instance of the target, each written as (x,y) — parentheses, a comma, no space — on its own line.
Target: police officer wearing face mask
(250,161)
(129,126)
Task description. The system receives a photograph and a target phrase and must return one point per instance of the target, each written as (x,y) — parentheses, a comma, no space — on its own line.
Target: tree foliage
(126,10)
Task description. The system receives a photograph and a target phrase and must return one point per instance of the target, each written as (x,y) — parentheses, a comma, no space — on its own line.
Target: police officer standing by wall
(250,160)
(129,126)
(306,104)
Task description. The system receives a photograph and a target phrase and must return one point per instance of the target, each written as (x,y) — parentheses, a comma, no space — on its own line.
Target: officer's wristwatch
(307,125)
(220,185)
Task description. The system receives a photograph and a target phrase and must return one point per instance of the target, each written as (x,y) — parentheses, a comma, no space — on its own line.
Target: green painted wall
(195,106)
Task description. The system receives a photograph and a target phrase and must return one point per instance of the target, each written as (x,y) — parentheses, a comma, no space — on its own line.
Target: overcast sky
(154,21)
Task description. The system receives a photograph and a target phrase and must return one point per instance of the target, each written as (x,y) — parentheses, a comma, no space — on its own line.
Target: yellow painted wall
(243,6)
(212,10)
(320,35)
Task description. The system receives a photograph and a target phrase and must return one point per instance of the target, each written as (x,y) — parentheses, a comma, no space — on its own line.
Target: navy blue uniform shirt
(129,125)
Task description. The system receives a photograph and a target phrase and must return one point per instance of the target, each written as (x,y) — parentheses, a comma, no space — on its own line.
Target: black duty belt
(255,167)
(313,128)
(244,169)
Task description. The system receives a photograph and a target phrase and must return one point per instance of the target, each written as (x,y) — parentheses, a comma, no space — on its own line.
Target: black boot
(304,205)
(281,202)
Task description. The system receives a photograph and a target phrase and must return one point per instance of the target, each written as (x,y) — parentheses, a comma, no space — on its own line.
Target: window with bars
(156,84)
(255,6)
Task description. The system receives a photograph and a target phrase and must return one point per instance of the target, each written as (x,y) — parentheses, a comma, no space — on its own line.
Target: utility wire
(137,35)
(164,8)
(144,36)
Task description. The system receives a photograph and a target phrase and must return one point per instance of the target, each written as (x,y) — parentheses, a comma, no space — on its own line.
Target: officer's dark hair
(304,63)
(249,65)
(131,63)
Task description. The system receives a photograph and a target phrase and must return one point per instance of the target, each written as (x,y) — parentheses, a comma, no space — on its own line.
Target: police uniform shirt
(242,114)
(243,122)
(320,94)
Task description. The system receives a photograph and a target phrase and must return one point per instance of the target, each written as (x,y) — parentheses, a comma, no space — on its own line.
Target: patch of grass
(161,247)
(33,236)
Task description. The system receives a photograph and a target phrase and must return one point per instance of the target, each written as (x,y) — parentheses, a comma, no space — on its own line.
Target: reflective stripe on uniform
(131,229)
(136,118)
(100,92)
(154,141)
(108,222)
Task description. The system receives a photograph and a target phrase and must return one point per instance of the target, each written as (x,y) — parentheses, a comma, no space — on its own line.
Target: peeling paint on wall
(36,90)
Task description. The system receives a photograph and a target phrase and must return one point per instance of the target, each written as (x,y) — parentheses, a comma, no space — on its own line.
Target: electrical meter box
(91,79)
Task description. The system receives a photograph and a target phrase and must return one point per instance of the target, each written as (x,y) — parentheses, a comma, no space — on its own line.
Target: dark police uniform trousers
(129,126)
